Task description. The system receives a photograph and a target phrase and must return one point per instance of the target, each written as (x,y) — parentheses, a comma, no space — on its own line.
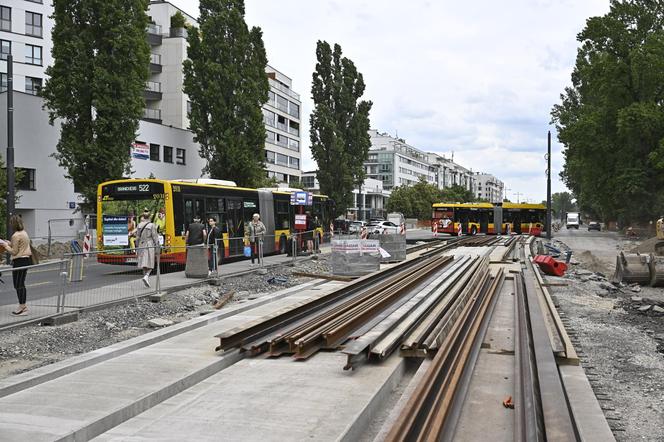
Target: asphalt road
(46,281)
(603,245)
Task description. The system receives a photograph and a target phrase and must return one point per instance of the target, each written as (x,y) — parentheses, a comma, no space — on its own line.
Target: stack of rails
(328,321)
(438,396)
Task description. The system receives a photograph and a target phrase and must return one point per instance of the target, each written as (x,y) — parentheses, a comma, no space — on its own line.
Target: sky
(474,79)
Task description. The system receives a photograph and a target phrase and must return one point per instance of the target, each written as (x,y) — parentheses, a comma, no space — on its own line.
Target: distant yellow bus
(472,218)
(172,205)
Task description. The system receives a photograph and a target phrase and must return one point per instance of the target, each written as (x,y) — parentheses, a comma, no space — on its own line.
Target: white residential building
(167,104)
(396,163)
(449,173)
(25,32)
(489,188)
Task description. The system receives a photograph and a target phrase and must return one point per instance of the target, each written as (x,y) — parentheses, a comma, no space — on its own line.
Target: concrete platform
(92,399)
(289,400)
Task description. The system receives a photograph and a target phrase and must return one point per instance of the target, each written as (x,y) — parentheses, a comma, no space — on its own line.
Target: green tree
(95,87)
(611,120)
(227,85)
(339,125)
(414,201)
(457,194)
(561,203)
(178,20)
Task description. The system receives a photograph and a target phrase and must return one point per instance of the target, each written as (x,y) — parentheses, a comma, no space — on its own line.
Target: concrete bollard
(197,262)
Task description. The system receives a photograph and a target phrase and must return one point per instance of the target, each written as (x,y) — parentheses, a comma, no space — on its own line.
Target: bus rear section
(120,206)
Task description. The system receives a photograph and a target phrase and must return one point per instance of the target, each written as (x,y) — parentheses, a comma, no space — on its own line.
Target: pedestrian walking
(21,253)
(256,236)
(147,239)
(214,234)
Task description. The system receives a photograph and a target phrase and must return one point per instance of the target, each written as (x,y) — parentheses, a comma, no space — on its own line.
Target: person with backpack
(147,240)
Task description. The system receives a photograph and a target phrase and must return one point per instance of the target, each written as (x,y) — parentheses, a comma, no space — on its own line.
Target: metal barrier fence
(82,280)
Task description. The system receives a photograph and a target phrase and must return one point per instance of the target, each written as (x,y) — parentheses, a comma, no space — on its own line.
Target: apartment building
(449,173)
(164,147)
(396,163)
(489,188)
(167,104)
(25,32)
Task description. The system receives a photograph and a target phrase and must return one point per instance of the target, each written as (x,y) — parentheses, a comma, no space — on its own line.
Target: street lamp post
(10,143)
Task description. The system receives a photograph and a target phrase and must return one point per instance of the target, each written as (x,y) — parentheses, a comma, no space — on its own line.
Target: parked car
(380,227)
(594,225)
(342,225)
(356,226)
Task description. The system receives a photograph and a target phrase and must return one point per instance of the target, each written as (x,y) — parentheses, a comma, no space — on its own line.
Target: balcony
(178,32)
(155,64)
(152,91)
(275,84)
(152,115)
(154,34)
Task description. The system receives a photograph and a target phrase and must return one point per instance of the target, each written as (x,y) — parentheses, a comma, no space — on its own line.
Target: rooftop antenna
(452,156)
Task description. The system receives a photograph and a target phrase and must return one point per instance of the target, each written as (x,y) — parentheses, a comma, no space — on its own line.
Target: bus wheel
(473,230)
(282,244)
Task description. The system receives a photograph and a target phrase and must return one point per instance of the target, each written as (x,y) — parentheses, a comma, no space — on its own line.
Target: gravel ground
(26,348)
(618,334)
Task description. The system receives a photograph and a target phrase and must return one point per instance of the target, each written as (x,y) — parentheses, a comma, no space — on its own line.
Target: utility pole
(518,195)
(548,187)
(10,144)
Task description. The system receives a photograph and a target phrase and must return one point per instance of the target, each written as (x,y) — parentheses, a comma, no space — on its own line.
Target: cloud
(476,77)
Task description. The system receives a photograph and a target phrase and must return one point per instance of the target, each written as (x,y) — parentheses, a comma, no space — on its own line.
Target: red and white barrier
(402,229)
(459,231)
(435,229)
(364,233)
(331,229)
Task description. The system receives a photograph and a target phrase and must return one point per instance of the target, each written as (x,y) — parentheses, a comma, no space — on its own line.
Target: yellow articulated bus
(472,218)
(172,205)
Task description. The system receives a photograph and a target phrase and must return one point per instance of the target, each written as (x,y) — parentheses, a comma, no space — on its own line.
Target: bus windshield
(122,205)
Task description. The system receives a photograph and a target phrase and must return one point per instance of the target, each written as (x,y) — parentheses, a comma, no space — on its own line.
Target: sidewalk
(127,290)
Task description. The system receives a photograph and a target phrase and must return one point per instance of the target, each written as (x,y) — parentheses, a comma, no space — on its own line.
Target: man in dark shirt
(213,235)
(195,233)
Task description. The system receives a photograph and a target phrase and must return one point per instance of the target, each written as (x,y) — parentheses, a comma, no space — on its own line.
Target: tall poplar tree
(339,125)
(227,85)
(96,85)
(611,119)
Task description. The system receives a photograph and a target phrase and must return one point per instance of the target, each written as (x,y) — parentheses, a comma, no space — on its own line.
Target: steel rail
(385,336)
(333,332)
(527,417)
(425,413)
(266,325)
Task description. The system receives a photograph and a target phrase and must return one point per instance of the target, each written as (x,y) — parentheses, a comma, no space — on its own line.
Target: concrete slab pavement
(91,400)
(311,400)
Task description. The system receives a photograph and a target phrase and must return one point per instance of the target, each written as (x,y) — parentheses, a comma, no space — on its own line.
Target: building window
(308,182)
(33,24)
(5,18)
(33,54)
(3,82)
(294,109)
(154,152)
(269,157)
(294,128)
(295,162)
(168,154)
(282,160)
(293,144)
(5,49)
(270,137)
(180,156)
(268,117)
(27,181)
(33,85)
(282,103)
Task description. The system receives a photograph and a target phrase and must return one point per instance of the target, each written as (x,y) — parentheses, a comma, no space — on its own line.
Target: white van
(573,220)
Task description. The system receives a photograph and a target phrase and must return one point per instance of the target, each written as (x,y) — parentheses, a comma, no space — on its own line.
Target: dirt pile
(647,246)
(591,262)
